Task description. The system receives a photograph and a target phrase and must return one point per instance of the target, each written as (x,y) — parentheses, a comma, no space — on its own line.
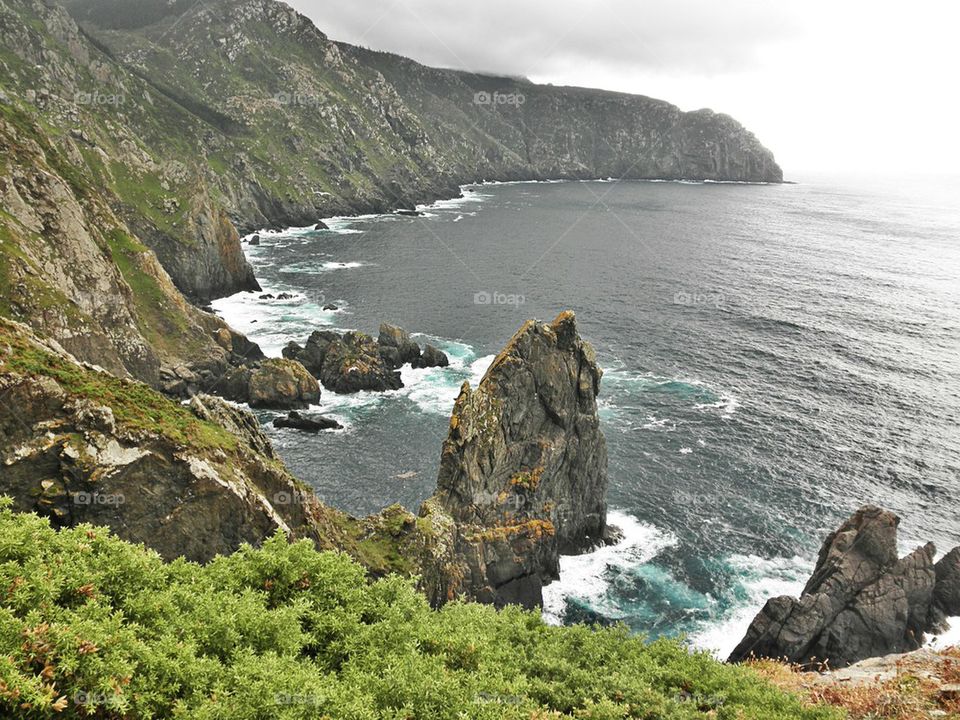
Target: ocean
(774,356)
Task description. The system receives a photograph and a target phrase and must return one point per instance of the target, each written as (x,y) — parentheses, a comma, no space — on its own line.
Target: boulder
(254,240)
(282,383)
(862,600)
(308,422)
(431,357)
(321,226)
(409,213)
(392,336)
(523,472)
(353,363)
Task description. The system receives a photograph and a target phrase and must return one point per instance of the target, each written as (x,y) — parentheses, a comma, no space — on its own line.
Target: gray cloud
(552,38)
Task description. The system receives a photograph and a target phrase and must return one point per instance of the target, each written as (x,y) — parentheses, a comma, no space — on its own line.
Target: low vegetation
(91,626)
(920,686)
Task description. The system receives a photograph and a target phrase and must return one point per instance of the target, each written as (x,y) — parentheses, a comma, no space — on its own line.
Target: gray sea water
(774,355)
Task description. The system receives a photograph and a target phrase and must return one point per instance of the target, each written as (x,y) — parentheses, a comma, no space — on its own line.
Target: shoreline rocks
(356,361)
(280,384)
(862,600)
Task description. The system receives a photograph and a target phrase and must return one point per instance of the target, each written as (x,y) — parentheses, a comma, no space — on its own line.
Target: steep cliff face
(131,144)
(311,127)
(75,272)
(523,471)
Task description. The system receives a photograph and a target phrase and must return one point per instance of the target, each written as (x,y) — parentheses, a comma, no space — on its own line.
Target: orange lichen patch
(528,480)
(532,529)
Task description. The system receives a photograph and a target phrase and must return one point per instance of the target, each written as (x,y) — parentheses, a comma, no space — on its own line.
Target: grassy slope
(90,624)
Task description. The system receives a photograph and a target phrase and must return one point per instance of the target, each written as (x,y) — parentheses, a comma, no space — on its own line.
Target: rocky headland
(522,479)
(862,600)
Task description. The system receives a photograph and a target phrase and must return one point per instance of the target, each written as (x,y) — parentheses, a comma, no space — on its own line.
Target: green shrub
(91,626)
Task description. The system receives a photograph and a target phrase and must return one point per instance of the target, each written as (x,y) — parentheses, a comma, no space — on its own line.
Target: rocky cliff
(79,445)
(156,129)
(523,471)
(862,600)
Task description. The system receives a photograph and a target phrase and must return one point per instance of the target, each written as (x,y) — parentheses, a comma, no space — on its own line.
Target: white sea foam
(950,638)
(760,579)
(434,390)
(583,577)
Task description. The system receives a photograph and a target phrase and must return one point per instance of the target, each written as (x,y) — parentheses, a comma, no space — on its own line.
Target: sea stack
(862,601)
(523,471)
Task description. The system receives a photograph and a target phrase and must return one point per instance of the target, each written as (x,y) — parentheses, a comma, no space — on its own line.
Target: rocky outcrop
(212,265)
(861,601)
(311,354)
(308,422)
(396,347)
(523,471)
(431,357)
(276,383)
(78,445)
(353,363)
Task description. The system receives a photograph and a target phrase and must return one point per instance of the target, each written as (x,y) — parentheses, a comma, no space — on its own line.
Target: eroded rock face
(523,471)
(861,601)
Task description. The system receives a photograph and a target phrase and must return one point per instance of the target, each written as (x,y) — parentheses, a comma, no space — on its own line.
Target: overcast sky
(827,85)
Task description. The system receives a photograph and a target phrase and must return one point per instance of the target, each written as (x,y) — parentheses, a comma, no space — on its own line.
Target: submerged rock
(862,600)
(523,472)
(307,422)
